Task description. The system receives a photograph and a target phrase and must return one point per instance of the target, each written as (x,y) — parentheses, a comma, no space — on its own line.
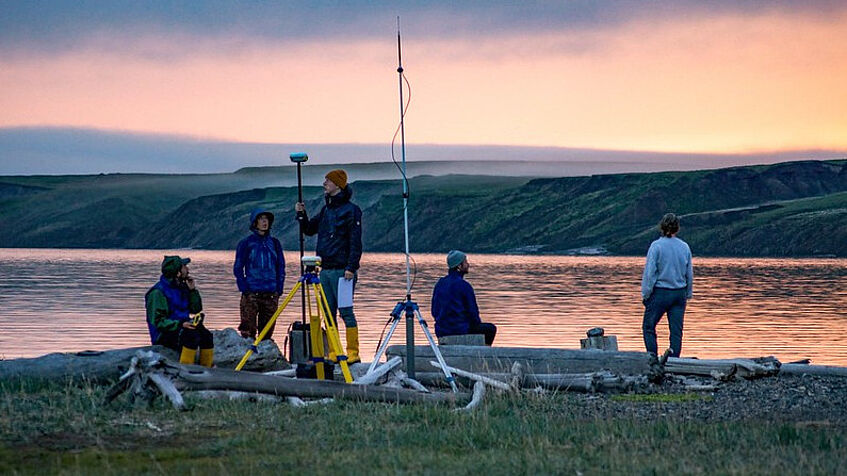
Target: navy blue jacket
(339,229)
(259,262)
(454,305)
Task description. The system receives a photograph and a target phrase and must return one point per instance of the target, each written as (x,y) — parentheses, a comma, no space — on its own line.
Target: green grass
(661,398)
(64,429)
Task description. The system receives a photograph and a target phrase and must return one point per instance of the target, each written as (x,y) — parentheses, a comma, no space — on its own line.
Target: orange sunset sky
(689,76)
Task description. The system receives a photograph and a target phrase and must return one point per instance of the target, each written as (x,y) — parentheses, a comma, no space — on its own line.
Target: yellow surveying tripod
(313,282)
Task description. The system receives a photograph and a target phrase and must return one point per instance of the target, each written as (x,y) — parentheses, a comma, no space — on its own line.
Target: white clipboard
(345,292)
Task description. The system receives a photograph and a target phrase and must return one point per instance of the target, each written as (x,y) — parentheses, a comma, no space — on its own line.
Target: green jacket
(161,318)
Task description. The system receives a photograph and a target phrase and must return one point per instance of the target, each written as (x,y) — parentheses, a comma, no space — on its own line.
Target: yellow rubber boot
(207,356)
(187,356)
(353,345)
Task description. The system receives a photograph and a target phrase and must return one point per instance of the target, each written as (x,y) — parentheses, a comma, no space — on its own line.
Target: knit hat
(172,264)
(338,177)
(455,258)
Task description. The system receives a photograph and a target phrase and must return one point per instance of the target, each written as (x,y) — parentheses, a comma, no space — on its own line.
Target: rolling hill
(787,209)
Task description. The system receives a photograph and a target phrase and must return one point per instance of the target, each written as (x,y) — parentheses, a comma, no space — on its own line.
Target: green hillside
(788,209)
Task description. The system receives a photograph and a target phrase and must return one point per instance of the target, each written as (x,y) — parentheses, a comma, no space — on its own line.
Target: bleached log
(414,384)
(168,389)
(746,368)
(605,382)
(823,370)
(567,382)
(517,377)
(189,377)
(476,400)
(610,383)
(244,381)
(534,360)
(476,377)
(371,378)
(124,382)
(395,379)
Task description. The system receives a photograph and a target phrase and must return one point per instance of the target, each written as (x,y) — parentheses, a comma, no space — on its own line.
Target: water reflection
(64,300)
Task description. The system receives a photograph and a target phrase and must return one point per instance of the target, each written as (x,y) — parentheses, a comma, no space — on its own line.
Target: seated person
(169,303)
(454,303)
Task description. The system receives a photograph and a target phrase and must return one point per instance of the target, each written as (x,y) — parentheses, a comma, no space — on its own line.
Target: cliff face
(789,209)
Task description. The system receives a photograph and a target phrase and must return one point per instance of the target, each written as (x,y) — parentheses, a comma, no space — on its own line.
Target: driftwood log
(534,360)
(91,365)
(108,365)
(149,366)
(593,382)
(379,372)
(825,370)
(723,368)
(476,400)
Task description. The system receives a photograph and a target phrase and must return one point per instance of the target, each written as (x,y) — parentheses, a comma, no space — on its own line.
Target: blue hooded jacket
(454,305)
(259,262)
(339,229)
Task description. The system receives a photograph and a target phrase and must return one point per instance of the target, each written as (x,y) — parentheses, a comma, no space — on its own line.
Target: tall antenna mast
(403,159)
(410,322)
(408,307)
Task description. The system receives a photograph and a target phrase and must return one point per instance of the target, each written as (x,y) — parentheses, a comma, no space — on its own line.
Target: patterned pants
(256,311)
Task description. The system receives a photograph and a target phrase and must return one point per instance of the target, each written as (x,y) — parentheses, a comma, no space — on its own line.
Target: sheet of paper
(345,292)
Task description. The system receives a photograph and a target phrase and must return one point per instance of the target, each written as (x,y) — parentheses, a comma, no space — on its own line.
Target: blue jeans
(329,283)
(672,302)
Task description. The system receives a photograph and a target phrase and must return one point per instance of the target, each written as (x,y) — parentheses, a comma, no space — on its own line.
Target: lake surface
(71,300)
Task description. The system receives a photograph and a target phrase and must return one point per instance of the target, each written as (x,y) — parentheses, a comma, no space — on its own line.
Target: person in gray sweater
(666,285)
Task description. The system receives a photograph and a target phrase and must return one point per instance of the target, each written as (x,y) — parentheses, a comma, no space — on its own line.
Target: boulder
(230,347)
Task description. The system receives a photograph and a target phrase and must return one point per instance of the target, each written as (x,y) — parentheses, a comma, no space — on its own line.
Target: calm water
(70,300)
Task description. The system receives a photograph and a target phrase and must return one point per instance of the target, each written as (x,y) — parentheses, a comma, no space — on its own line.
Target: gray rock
(230,347)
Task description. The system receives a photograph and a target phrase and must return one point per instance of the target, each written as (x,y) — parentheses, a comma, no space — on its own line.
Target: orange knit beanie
(338,177)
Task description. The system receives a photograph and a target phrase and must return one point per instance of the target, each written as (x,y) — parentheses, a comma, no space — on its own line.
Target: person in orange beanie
(339,229)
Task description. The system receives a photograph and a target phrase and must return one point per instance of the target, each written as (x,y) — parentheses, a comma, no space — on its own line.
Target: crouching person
(454,305)
(169,304)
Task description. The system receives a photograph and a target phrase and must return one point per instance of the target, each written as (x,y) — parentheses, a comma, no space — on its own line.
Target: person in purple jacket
(666,285)
(259,271)
(454,305)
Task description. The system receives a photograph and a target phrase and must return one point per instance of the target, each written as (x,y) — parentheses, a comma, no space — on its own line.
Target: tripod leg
(332,334)
(316,339)
(384,345)
(267,328)
(435,351)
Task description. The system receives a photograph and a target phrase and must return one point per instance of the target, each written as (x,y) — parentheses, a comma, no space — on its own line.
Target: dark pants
(256,310)
(672,302)
(485,328)
(190,338)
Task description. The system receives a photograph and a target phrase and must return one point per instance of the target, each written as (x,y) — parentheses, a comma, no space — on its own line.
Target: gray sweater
(668,266)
